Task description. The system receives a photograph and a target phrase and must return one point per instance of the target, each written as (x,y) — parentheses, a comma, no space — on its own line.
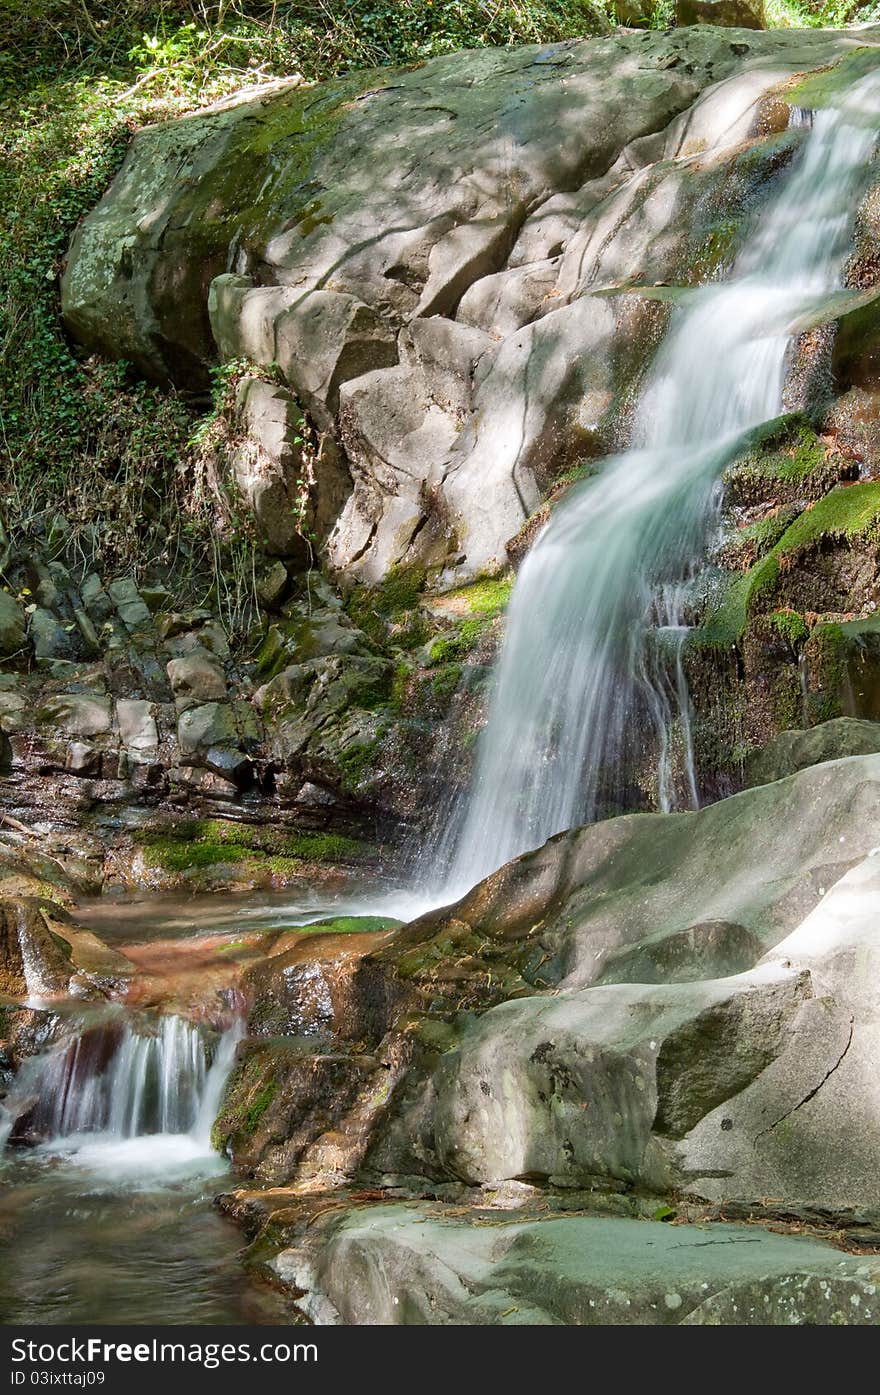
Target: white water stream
(132,1100)
(576,676)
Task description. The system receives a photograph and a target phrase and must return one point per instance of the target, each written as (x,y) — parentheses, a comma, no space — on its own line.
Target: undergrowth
(120,460)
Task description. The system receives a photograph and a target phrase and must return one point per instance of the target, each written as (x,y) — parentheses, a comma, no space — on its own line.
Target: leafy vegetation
(123,461)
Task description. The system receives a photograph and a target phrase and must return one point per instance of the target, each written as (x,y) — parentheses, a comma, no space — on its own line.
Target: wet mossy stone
(848,512)
(826,87)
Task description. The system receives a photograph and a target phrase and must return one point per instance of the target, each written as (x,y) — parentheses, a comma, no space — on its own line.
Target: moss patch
(207,842)
(351,925)
(846,512)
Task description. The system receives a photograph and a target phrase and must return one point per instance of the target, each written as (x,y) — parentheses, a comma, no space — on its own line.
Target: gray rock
(729,1087)
(268,468)
(97,603)
(402,1264)
(137,726)
(83,760)
(130,605)
(196,678)
(233,766)
(12,631)
(795,750)
(50,638)
(273,585)
(517,263)
(79,714)
(199,728)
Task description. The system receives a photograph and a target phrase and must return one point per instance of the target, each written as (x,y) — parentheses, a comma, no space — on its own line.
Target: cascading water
(575,675)
(123,1093)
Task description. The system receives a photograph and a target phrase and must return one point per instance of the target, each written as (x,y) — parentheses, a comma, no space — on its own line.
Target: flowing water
(108,1177)
(577,678)
(107,1216)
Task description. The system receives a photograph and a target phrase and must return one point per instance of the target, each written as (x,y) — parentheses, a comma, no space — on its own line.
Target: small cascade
(121,1080)
(579,674)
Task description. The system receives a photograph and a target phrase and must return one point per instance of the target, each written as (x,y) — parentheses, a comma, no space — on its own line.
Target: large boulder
(716,1013)
(433,257)
(795,750)
(402,1264)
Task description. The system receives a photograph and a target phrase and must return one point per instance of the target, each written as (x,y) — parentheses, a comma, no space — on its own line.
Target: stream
(92,1218)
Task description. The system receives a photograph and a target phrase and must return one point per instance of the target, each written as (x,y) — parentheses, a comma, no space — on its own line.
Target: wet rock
(321,987)
(34,962)
(83,760)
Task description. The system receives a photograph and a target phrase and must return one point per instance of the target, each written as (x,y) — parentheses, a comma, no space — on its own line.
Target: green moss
(206,843)
(790,624)
(374,608)
(849,511)
(355,762)
(764,534)
(446,679)
(458,643)
(486,596)
(786,457)
(822,89)
(351,925)
(240,1122)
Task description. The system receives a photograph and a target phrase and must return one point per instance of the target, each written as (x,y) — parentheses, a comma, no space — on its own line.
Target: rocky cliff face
(447,282)
(444,262)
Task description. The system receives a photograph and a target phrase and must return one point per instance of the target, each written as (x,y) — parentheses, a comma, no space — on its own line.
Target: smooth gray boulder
(795,750)
(651,1064)
(415,1264)
(442,261)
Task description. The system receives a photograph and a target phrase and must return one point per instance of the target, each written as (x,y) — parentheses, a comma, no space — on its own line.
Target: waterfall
(152,1085)
(577,676)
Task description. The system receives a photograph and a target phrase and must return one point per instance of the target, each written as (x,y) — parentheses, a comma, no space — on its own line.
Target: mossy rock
(194,845)
(844,514)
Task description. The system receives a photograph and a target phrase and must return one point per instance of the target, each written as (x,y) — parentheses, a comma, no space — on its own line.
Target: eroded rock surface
(436,260)
(413,1264)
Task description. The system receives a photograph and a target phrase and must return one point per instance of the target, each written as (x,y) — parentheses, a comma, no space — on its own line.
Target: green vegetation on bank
(123,461)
